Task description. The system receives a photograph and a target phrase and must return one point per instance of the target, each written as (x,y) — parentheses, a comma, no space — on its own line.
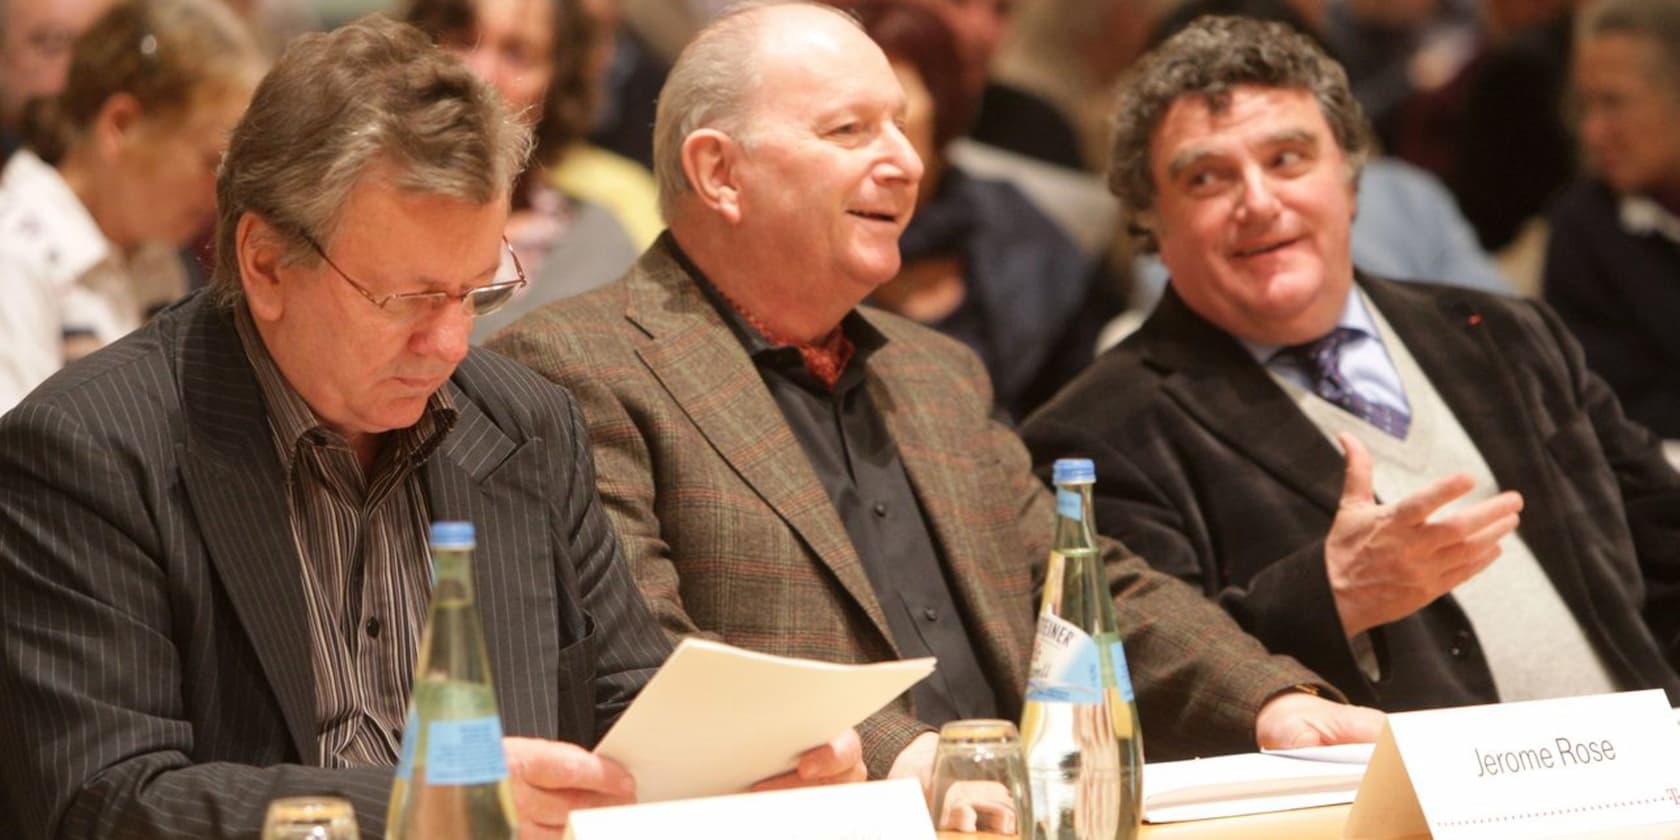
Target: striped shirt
(366,572)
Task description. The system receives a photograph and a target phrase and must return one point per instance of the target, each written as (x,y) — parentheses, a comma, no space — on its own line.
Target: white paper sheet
(1252,783)
(891,810)
(716,718)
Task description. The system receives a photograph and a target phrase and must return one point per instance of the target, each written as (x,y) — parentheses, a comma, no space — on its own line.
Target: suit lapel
(1457,345)
(1218,383)
(233,481)
(481,476)
(701,364)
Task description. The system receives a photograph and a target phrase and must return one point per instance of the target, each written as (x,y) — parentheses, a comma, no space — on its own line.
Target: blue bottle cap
(452,535)
(1073,470)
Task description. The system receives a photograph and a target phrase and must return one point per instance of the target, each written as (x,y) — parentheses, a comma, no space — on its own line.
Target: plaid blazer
(730,534)
(155,673)
(1210,471)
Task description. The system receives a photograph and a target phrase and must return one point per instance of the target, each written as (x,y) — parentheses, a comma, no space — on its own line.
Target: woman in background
(581,215)
(118,172)
(981,262)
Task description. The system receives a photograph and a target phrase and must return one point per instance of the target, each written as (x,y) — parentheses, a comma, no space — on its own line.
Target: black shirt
(846,441)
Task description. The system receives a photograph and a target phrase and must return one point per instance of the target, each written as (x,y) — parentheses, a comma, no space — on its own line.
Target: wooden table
(1305,824)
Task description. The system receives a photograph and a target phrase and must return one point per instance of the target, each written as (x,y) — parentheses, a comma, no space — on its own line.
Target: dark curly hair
(1207,59)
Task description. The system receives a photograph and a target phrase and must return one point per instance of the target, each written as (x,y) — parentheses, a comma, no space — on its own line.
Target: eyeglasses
(482,300)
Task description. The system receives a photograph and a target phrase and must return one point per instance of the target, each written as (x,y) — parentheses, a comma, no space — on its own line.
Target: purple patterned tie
(1321,361)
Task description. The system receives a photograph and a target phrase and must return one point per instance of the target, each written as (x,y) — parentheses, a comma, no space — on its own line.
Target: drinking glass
(310,818)
(980,780)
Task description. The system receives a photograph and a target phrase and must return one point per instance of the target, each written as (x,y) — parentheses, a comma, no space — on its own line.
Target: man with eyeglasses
(213,574)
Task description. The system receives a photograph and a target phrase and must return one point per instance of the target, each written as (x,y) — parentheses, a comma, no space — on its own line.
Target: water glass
(310,818)
(980,780)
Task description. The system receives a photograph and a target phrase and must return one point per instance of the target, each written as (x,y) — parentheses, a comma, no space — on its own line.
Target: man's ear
(114,124)
(710,160)
(261,251)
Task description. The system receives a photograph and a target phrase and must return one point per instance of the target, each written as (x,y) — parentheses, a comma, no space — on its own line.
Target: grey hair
(373,91)
(1655,20)
(1207,59)
(708,87)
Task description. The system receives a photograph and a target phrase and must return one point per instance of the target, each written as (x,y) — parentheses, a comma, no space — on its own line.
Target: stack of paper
(1252,783)
(717,718)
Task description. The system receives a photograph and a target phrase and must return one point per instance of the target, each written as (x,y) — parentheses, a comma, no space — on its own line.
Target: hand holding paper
(837,762)
(716,719)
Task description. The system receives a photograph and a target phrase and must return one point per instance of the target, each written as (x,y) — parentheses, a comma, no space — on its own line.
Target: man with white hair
(794,474)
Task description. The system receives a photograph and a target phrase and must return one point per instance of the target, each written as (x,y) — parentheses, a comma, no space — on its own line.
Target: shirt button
(930,614)
(881,509)
(373,627)
(1462,642)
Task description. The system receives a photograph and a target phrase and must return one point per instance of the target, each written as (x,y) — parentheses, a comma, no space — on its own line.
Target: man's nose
(446,334)
(901,158)
(1259,201)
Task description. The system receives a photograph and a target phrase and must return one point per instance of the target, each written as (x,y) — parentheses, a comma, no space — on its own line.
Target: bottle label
(1069,503)
(465,752)
(1066,668)
(405,759)
(1122,673)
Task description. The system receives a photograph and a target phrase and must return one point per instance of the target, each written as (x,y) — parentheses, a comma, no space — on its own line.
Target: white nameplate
(1574,767)
(891,810)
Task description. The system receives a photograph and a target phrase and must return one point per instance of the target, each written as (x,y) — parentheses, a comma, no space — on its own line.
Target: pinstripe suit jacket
(1213,474)
(157,679)
(730,533)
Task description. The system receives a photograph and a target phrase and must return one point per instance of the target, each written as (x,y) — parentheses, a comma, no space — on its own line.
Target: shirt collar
(865,338)
(54,216)
(1355,316)
(294,423)
(1640,215)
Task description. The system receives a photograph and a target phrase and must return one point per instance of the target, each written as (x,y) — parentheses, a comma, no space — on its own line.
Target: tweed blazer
(730,534)
(1211,472)
(157,677)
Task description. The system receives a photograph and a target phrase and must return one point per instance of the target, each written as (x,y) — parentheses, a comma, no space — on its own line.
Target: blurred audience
(1008,117)
(1072,52)
(1612,267)
(580,214)
(981,263)
(118,171)
(35,41)
(629,76)
(1393,48)
(1494,131)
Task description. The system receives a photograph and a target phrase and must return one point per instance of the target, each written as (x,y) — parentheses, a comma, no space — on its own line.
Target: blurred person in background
(118,171)
(630,77)
(1007,116)
(1613,257)
(1493,129)
(580,214)
(981,263)
(35,41)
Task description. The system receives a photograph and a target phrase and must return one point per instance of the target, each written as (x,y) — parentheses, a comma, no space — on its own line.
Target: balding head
(708,87)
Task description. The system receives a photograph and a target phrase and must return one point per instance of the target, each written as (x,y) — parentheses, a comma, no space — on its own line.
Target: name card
(1545,768)
(890,810)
